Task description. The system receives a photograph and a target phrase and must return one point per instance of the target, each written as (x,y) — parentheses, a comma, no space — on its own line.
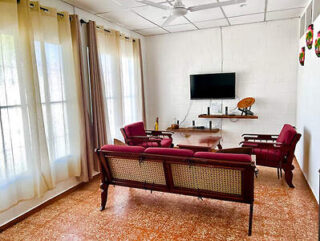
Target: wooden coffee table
(206,144)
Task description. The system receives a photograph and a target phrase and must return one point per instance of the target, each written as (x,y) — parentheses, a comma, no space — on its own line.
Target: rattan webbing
(221,180)
(129,169)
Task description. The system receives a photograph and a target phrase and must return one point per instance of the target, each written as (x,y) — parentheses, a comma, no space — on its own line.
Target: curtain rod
(44,9)
(106,30)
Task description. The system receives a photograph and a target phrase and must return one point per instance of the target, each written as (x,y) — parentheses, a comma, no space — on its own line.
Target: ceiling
(147,20)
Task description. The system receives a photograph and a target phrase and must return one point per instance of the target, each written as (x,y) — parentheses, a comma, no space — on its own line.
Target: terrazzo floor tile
(280,213)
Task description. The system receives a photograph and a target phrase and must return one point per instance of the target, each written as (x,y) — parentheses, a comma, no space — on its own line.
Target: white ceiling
(147,20)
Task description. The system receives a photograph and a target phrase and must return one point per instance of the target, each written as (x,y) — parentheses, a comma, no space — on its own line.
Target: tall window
(39,108)
(52,92)
(13,157)
(130,104)
(122,81)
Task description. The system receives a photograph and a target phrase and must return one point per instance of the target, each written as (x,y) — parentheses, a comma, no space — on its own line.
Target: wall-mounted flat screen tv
(213,86)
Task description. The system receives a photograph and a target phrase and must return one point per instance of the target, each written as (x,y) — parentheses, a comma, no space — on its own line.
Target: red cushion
(287,134)
(223,156)
(135,129)
(169,151)
(133,149)
(267,154)
(166,142)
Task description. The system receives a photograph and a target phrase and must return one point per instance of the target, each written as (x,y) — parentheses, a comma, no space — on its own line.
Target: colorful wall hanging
(302,56)
(309,36)
(317,45)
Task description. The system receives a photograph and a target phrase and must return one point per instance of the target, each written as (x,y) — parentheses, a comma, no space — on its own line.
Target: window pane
(13,137)
(9,85)
(54,71)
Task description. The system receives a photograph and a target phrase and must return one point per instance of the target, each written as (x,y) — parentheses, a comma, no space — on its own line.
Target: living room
(137,130)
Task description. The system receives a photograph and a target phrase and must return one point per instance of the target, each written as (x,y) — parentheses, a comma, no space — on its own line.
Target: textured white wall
(263,55)
(308,114)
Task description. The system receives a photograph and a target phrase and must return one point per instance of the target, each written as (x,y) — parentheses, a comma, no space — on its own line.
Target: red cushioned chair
(135,135)
(275,150)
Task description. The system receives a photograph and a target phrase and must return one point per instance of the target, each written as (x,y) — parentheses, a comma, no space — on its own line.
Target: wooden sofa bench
(221,176)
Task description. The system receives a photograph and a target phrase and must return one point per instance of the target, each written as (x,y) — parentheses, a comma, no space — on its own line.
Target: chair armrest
(260,135)
(263,145)
(159,133)
(145,139)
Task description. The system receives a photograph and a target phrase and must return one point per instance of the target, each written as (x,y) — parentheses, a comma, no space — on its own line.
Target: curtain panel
(121,64)
(97,90)
(39,107)
(87,159)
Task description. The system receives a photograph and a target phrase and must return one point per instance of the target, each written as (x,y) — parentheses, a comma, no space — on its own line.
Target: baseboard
(45,204)
(313,194)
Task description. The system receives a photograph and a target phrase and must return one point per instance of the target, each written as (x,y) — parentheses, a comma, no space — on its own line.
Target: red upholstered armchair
(275,150)
(135,135)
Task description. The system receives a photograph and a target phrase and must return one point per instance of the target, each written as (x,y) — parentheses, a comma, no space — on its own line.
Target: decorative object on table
(309,37)
(226,110)
(245,105)
(193,123)
(135,135)
(174,126)
(317,45)
(275,150)
(156,124)
(208,110)
(210,125)
(302,56)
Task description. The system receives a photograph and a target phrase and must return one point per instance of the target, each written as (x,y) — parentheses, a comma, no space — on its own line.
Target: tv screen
(213,86)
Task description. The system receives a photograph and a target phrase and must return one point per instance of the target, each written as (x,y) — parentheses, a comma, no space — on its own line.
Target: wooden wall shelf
(228,116)
(194,130)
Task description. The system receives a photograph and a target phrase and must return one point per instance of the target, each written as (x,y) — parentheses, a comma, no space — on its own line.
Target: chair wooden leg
(250,219)
(104,195)
(289,175)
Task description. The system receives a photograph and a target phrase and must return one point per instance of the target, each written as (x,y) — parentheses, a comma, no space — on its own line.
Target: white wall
(264,56)
(308,114)
(25,206)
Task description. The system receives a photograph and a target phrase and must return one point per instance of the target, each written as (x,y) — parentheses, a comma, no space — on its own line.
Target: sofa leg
(104,195)
(250,219)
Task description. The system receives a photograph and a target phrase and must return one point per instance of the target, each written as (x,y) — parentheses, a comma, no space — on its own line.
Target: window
(53,100)
(13,156)
(129,90)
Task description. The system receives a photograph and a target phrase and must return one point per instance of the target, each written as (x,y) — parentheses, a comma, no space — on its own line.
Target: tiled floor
(280,213)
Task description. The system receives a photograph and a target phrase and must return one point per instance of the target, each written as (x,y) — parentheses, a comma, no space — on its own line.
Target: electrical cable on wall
(188,111)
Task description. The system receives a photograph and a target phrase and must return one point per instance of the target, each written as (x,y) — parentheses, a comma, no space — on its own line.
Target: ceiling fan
(178,9)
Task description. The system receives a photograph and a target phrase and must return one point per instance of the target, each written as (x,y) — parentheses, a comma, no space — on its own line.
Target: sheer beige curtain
(131,81)
(121,71)
(39,108)
(109,54)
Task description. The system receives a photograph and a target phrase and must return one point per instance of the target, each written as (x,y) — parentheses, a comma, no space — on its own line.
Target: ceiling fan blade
(156,5)
(214,5)
(169,20)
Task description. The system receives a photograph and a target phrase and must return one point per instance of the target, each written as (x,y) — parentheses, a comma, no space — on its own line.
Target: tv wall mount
(245,105)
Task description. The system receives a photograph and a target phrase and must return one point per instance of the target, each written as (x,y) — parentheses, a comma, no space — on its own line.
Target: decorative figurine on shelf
(317,45)
(309,36)
(302,56)
(156,124)
(245,105)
